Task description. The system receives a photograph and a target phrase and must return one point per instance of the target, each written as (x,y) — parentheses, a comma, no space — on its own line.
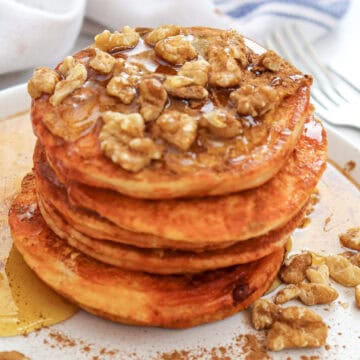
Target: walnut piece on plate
(357,295)
(318,274)
(293,272)
(351,238)
(177,128)
(160,33)
(264,313)
(343,271)
(127,39)
(297,327)
(43,81)
(122,139)
(307,293)
(75,74)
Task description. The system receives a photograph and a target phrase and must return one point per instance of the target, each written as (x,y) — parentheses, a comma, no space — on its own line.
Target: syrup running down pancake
(198,159)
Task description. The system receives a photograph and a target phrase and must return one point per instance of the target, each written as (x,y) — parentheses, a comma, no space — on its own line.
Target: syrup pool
(26,303)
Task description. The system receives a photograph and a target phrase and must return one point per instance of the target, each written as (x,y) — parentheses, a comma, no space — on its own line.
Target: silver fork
(335,98)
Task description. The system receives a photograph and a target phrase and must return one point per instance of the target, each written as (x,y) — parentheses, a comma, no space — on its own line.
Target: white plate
(92,334)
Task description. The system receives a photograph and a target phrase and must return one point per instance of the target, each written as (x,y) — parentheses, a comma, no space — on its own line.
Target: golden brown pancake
(166,261)
(210,220)
(133,297)
(212,165)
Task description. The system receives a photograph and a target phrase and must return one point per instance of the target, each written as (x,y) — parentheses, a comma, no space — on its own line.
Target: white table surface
(340,49)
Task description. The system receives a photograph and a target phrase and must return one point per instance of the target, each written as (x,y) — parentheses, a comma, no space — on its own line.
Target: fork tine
(291,39)
(316,59)
(343,78)
(317,101)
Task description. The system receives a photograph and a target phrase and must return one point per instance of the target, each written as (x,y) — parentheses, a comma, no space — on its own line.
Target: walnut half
(127,39)
(178,128)
(297,327)
(43,81)
(293,272)
(122,140)
(351,239)
(75,75)
(343,271)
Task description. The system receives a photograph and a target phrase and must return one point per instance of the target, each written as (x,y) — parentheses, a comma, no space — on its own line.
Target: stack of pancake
(171,167)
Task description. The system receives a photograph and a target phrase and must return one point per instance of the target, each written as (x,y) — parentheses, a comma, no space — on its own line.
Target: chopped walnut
(120,87)
(318,274)
(224,71)
(178,128)
(353,257)
(161,33)
(297,327)
(122,140)
(286,294)
(357,295)
(102,61)
(152,99)
(351,239)
(127,39)
(235,46)
(308,293)
(254,101)
(43,81)
(197,71)
(175,49)
(293,271)
(75,75)
(343,271)
(312,294)
(264,313)
(221,123)
(271,61)
(183,87)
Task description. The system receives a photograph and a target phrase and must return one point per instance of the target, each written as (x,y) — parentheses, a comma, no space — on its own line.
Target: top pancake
(216,162)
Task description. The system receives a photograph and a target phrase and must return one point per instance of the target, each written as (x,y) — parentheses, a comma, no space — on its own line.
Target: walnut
(127,39)
(44,80)
(343,271)
(264,313)
(161,33)
(254,101)
(297,327)
(183,87)
(178,128)
(197,71)
(120,87)
(175,49)
(224,71)
(293,271)
(122,140)
(312,294)
(308,293)
(357,295)
(353,257)
(102,61)
(75,75)
(152,98)
(351,239)
(235,46)
(318,274)
(223,124)
(286,294)
(271,61)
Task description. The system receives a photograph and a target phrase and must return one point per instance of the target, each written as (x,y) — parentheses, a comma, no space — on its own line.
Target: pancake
(133,297)
(211,220)
(166,261)
(214,164)
(91,224)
